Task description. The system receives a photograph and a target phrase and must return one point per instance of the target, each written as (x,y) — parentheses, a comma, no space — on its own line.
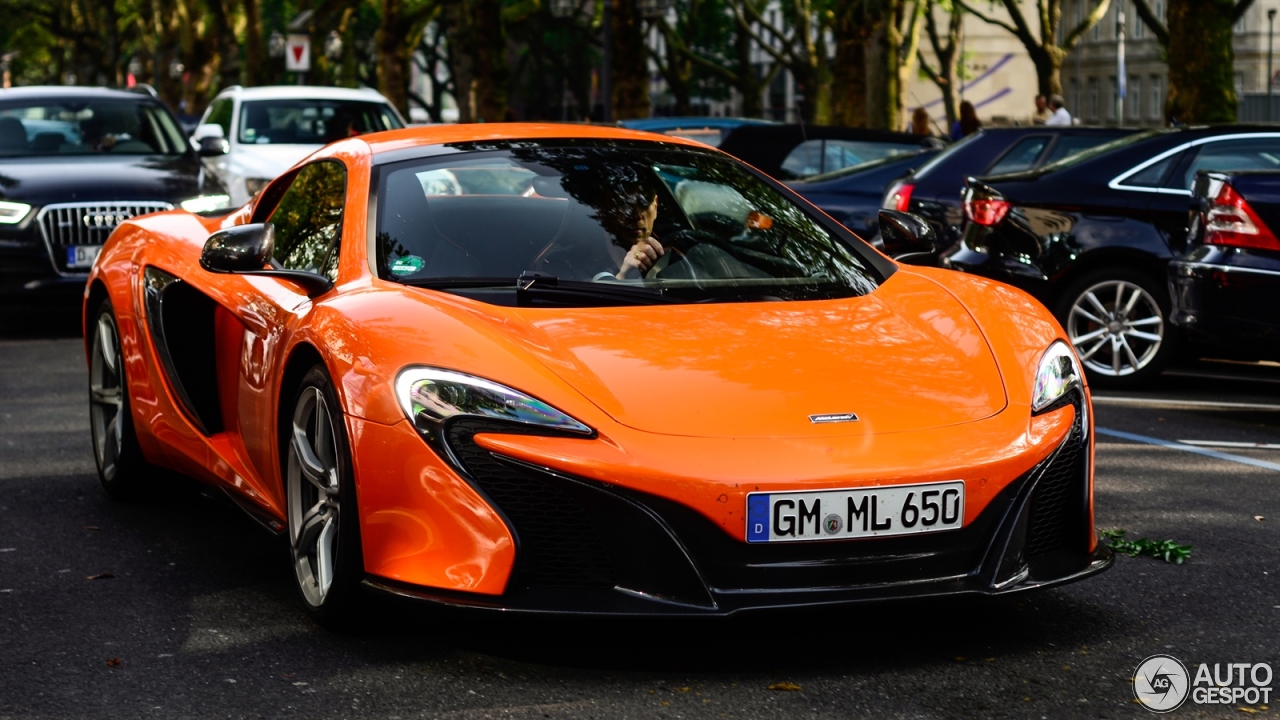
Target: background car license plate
(82,256)
(861,512)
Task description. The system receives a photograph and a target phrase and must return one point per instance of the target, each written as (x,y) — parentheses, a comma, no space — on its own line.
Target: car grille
(65,225)
(556,542)
(1058,502)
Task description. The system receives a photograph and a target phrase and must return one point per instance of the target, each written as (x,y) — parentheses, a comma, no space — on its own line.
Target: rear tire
(121,468)
(324,529)
(1118,322)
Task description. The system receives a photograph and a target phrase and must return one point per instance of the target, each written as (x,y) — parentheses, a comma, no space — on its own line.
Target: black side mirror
(247,249)
(213,147)
(908,238)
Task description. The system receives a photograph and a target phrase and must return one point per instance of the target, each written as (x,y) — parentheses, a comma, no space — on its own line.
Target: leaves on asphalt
(102,576)
(785,687)
(113,662)
(1167,550)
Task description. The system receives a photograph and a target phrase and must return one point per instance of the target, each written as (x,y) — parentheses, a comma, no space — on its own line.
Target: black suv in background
(76,162)
(933,190)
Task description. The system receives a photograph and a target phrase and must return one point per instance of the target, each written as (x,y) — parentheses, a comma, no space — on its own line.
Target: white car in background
(248,136)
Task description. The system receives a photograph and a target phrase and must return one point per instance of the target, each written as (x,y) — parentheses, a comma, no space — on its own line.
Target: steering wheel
(680,243)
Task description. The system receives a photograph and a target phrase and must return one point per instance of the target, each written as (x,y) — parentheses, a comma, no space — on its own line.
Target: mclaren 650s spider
(589,370)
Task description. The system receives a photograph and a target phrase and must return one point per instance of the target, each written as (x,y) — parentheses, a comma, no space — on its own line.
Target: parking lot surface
(182,606)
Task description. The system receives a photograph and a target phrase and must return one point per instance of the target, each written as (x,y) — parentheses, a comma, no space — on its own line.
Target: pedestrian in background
(968,123)
(1042,113)
(1060,115)
(920,122)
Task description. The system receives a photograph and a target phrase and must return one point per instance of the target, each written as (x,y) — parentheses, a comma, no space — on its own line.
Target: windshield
(1097,150)
(687,225)
(312,122)
(88,127)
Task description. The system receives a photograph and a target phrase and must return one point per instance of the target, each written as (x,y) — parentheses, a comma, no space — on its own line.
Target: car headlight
(1058,373)
(430,396)
(254,185)
(11,213)
(206,203)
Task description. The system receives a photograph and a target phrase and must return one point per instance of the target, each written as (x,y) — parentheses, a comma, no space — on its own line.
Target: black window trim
(1117,183)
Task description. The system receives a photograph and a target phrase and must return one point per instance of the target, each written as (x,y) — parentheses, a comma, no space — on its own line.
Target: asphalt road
(198,617)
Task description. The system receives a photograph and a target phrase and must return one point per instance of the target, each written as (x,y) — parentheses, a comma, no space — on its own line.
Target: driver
(630,221)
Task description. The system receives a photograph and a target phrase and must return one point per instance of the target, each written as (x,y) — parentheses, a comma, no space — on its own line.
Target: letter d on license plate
(854,513)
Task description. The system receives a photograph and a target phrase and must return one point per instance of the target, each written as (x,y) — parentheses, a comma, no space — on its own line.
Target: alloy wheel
(106,396)
(314,509)
(1116,327)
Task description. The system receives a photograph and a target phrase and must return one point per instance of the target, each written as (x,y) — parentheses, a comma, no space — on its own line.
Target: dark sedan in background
(708,130)
(1091,237)
(76,162)
(933,190)
(1227,283)
(852,196)
(796,152)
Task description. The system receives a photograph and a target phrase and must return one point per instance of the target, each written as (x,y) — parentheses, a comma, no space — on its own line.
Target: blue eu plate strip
(757,518)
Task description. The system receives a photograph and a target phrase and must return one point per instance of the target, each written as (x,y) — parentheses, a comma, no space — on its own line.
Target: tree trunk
(255,60)
(393,81)
(1048,62)
(849,72)
(749,84)
(489,49)
(1201,62)
(630,67)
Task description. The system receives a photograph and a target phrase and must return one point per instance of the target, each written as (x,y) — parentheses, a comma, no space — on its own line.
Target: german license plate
(855,513)
(82,256)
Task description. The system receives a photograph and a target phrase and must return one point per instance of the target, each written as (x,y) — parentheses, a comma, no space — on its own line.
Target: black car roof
(1058,130)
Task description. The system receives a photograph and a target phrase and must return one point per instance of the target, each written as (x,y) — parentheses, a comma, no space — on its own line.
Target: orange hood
(906,357)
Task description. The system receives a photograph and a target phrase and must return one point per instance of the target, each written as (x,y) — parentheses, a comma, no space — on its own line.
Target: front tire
(324,532)
(1118,322)
(121,467)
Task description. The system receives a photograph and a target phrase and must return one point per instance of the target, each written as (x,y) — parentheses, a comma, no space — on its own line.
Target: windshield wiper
(546,287)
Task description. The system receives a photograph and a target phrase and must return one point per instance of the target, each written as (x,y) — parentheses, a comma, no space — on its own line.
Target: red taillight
(1230,221)
(900,198)
(986,211)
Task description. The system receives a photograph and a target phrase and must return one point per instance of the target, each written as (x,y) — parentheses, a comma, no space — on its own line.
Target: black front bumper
(1226,299)
(584,547)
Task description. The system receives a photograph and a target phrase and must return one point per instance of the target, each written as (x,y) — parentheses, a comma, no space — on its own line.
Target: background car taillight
(1230,221)
(899,197)
(985,211)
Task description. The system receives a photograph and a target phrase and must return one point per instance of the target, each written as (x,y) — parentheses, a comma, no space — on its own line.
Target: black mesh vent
(558,546)
(1058,502)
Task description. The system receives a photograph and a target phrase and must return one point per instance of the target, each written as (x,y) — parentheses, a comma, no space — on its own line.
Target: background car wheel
(324,532)
(121,467)
(1118,322)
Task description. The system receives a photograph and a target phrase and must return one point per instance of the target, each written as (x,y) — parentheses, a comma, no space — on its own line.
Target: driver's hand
(641,257)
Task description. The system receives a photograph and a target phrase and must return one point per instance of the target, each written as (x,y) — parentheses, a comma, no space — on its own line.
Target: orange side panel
(419,522)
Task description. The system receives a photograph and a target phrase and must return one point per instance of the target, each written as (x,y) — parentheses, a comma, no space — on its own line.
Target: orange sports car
(588,370)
